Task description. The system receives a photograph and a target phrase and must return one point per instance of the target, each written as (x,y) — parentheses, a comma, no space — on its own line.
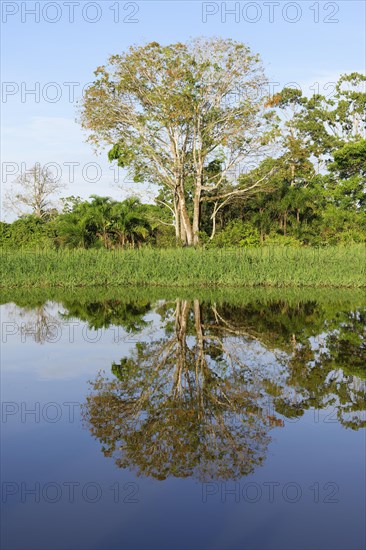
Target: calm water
(165,419)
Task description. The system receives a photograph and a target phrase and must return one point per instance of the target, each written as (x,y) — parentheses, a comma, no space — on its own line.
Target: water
(181,420)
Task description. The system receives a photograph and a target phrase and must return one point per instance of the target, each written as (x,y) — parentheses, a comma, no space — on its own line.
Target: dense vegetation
(317,215)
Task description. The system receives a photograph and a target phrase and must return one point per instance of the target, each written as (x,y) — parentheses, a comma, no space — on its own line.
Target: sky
(50,50)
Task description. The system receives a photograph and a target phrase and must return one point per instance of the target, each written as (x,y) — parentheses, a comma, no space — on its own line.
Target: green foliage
(275,239)
(104,222)
(27,232)
(237,233)
(165,237)
(350,159)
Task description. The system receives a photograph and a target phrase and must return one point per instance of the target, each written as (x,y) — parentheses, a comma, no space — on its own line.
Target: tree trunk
(196,215)
(292,175)
(213,217)
(178,224)
(181,321)
(261,226)
(183,235)
(185,218)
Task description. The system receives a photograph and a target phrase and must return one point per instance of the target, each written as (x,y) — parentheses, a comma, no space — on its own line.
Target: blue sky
(307,42)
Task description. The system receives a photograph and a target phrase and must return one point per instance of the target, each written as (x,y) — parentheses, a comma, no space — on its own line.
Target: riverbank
(280,267)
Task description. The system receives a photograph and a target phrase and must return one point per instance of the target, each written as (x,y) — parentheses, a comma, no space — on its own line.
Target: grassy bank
(338,267)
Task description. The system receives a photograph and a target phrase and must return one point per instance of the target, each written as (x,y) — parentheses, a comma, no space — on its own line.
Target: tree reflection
(183,405)
(332,370)
(195,402)
(40,323)
(102,314)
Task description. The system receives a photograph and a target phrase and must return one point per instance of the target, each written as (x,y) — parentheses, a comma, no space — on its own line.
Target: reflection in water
(199,401)
(334,372)
(200,397)
(39,323)
(129,315)
(182,405)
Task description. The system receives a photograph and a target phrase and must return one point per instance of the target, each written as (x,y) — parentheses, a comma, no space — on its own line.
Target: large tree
(184,117)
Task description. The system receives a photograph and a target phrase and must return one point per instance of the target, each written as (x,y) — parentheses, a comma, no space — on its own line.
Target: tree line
(295,217)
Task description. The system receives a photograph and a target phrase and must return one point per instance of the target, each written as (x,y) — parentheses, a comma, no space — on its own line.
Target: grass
(281,267)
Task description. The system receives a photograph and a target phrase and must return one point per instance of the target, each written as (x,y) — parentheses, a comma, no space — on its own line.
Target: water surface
(171,419)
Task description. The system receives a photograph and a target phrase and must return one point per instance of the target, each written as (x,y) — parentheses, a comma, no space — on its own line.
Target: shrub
(237,233)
